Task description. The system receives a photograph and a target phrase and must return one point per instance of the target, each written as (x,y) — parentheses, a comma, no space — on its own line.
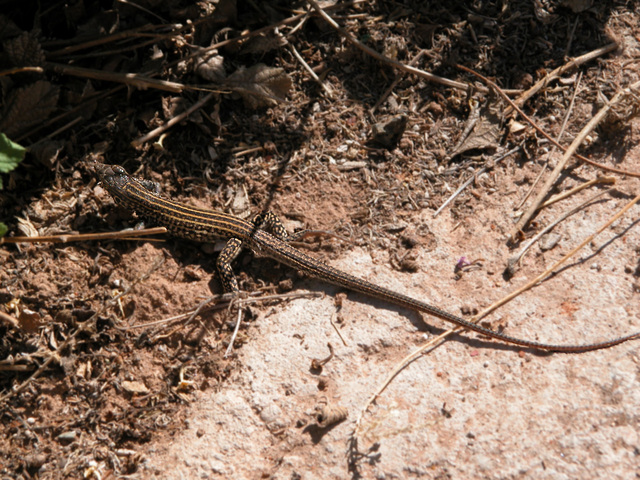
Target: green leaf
(3,229)
(11,154)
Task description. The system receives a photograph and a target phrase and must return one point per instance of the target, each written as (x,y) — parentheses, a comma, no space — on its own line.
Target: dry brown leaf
(264,43)
(211,67)
(28,106)
(577,6)
(485,132)
(135,387)
(172,106)
(24,51)
(47,152)
(8,28)
(260,85)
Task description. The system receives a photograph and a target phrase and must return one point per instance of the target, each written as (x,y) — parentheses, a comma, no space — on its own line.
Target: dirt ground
(104,372)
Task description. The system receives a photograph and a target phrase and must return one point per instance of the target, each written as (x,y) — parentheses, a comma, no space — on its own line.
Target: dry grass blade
(395,83)
(114,37)
(550,270)
(553,149)
(131,79)
(84,237)
(579,188)
(310,71)
(626,93)
(226,298)
(468,181)
(555,174)
(515,259)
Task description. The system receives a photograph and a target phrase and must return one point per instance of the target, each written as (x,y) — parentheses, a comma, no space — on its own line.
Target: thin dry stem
(469,180)
(550,270)
(132,79)
(560,71)
(555,174)
(579,188)
(627,91)
(84,237)
(514,260)
(177,119)
(558,138)
(395,82)
(310,71)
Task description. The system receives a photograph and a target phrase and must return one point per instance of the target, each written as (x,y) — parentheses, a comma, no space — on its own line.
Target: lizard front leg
(270,222)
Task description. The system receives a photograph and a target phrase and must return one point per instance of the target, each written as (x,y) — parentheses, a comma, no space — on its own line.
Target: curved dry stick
(558,72)
(569,151)
(555,174)
(133,79)
(378,56)
(558,137)
(178,118)
(516,258)
(545,134)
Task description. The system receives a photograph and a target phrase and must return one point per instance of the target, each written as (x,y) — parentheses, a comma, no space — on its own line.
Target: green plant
(11,154)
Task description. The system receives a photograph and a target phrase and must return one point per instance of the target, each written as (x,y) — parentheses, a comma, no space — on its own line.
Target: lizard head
(113,177)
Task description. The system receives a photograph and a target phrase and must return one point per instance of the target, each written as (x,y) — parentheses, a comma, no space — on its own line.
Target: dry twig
(132,79)
(378,56)
(395,82)
(555,174)
(310,71)
(627,91)
(559,72)
(553,148)
(84,237)
(225,297)
(177,119)
(579,188)
(471,179)
(515,259)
